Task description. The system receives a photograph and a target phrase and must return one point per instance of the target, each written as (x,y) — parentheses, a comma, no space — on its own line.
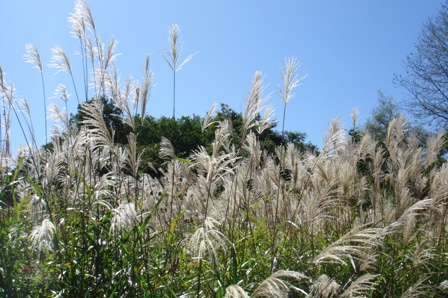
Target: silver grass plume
(32,56)
(124,217)
(98,128)
(38,206)
(444,285)
(60,116)
(172,55)
(360,286)
(417,289)
(121,96)
(411,212)
(324,287)
(395,137)
(88,16)
(222,138)
(77,21)
(207,120)
(235,291)
(278,286)
(354,115)
(253,147)
(61,93)
(42,236)
(166,149)
(266,121)
(433,147)
(206,241)
(2,82)
(255,103)
(146,88)
(60,60)
(113,83)
(111,56)
(133,157)
(353,246)
(335,138)
(423,255)
(291,80)
(25,110)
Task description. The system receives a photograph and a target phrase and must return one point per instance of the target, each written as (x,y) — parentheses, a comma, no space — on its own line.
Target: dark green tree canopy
(185,133)
(381,115)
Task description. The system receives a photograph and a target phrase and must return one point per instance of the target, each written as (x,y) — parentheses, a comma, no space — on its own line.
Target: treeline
(186,133)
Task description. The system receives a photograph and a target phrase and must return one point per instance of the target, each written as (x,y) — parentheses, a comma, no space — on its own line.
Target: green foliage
(185,133)
(381,116)
(112,116)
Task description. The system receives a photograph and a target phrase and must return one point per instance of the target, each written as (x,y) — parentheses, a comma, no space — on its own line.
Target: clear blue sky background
(350,49)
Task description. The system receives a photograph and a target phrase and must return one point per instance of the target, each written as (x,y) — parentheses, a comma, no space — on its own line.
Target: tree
(112,118)
(185,133)
(381,116)
(426,77)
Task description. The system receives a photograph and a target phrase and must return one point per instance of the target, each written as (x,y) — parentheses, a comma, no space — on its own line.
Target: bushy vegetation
(84,217)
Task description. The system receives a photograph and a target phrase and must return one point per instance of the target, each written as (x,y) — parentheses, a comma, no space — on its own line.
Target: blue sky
(350,49)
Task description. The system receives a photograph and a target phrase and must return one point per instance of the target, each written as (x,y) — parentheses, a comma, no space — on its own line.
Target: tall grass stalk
(32,56)
(172,55)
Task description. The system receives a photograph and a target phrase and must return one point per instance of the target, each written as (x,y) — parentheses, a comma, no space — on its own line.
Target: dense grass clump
(80,218)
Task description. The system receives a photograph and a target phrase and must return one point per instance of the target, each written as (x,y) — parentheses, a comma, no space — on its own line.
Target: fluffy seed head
(290,78)
(42,236)
(32,56)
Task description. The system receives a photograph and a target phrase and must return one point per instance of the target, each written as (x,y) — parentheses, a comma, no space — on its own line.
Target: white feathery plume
(24,106)
(124,217)
(207,120)
(444,285)
(32,56)
(172,58)
(290,78)
(206,240)
(434,145)
(77,20)
(174,50)
(59,115)
(147,86)
(97,126)
(60,60)
(417,289)
(277,286)
(235,291)
(61,93)
(410,212)
(335,137)
(255,103)
(2,82)
(42,236)
(360,286)
(324,287)
(166,149)
(353,245)
(266,121)
(354,115)
(111,56)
